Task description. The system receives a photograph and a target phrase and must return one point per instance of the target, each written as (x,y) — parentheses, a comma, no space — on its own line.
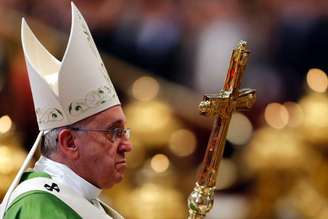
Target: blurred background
(163,56)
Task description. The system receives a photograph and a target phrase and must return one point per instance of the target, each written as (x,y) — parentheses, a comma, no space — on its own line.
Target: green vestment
(39,204)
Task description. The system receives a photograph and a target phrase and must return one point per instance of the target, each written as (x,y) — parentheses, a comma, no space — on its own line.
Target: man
(82,133)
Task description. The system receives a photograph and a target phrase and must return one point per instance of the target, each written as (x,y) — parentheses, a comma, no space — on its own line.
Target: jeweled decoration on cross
(221,106)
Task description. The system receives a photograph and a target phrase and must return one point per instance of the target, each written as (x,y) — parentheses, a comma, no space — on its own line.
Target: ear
(66,144)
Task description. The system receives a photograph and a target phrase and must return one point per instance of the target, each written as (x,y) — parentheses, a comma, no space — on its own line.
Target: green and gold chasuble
(40,197)
(38,204)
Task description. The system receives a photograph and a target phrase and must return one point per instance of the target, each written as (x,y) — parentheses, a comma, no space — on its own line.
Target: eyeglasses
(115,133)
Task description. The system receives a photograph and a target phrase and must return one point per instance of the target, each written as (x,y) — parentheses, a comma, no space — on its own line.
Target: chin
(115,180)
(108,185)
(119,178)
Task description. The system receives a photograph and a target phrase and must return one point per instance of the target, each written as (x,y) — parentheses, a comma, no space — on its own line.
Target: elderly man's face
(102,159)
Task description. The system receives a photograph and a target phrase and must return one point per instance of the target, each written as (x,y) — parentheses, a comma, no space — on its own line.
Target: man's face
(101,159)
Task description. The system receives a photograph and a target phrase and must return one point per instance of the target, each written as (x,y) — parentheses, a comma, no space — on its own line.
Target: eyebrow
(118,123)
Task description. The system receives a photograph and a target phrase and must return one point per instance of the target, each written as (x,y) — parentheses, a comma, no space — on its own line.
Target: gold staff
(220,105)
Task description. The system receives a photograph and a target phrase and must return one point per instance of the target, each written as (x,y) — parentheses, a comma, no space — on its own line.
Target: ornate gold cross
(220,105)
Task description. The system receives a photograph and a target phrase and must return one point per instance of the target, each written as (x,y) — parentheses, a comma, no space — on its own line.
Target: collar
(64,175)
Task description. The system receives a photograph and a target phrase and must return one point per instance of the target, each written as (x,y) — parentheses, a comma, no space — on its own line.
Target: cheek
(97,151)
(102,153)
(109,152)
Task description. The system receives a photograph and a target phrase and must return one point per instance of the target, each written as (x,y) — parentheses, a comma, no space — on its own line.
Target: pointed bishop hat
(68,91)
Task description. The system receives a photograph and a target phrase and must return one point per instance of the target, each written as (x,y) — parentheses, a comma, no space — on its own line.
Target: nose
(125,146)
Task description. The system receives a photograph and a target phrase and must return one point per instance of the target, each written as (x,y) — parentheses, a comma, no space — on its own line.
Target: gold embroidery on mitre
(92,99)
(49,115)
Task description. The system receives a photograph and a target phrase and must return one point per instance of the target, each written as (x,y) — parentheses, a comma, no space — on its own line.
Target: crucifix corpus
(221,106)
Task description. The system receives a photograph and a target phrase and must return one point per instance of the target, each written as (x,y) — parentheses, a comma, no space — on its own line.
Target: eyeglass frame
(113,131)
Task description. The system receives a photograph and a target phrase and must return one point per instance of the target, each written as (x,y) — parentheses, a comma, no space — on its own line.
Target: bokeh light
(152,122)
(271,148)
(240,129)
(182,142)
(145,88)
(156,201)
(11,158)
(159,163)
(315,123)
(5,162)
(5,124)
(276,115)
(317,80)
(150,116)
(315,109)
(295,112)
(227,174)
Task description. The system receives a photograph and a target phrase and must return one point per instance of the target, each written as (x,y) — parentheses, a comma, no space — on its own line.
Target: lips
(121,164)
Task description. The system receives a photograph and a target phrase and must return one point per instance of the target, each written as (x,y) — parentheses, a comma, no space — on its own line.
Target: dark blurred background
(162,56)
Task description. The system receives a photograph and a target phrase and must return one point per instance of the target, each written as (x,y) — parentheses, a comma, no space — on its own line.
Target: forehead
(108,117)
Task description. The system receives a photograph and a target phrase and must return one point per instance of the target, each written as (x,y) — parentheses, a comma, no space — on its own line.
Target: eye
(119,132)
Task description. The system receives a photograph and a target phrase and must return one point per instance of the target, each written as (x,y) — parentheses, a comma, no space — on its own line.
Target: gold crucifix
(220,105)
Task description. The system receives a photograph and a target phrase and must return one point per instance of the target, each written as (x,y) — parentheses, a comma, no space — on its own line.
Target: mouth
(121,164)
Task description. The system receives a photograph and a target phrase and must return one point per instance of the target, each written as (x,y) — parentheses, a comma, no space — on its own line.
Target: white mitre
(75,88)
(64,92)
